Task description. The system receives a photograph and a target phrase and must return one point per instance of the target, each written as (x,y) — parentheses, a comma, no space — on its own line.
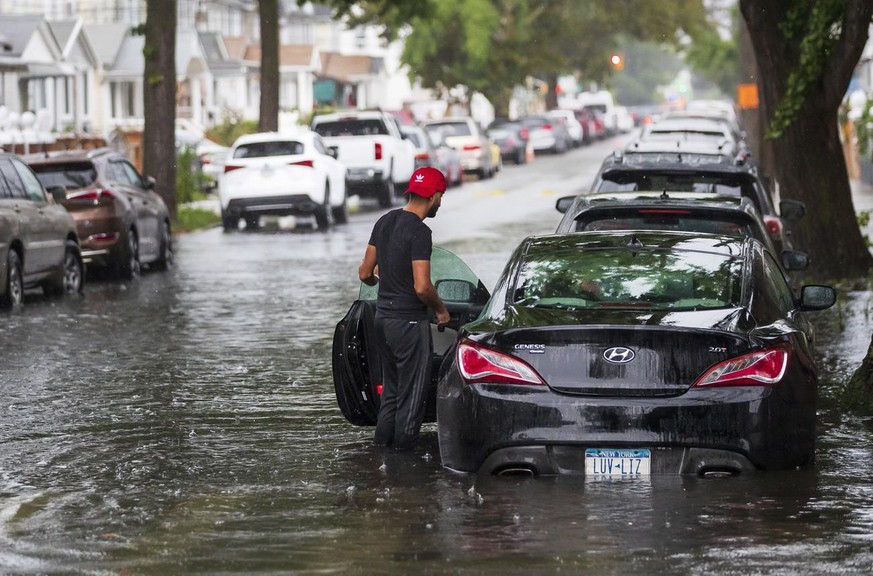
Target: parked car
(547,134)
(121,221)
(464,135)
(633,353)
(574,127)
(440,156)
(282,174)
(512,138)
(734,216)
(38,241)
(697,166)
(693,128)
(212,157)
(369,143)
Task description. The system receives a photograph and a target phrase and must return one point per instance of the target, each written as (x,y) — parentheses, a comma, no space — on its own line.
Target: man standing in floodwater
(398,258)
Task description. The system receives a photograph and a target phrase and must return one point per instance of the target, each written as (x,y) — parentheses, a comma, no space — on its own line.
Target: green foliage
(190,180)
(814,26)
(190,219)
(231,129)
(864,132)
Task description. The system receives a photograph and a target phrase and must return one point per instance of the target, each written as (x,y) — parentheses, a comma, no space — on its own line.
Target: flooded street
(186,423)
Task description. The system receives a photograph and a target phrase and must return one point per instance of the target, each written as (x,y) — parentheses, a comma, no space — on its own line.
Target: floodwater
(185,423)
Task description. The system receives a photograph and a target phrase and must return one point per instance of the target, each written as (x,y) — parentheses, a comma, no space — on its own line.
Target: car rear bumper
(288,205)
(488,428)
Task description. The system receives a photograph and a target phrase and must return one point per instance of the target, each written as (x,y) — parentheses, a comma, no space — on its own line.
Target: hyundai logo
(618,355)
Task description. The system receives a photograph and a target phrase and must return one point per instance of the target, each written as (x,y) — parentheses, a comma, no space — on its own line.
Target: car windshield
(623,278)
(351,127)
(449,129)
(737,226)
(266,149)
(70,175)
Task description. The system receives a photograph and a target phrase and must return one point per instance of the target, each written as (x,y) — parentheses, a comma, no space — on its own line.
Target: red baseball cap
(426,182)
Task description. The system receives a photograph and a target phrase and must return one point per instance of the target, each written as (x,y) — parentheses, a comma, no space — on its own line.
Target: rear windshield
(737,226)
(71,175)
(351,127)
(267,149)
(624,278)
(707,183)
(449,129)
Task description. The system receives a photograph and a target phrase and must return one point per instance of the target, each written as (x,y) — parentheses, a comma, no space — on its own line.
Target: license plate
(618,462)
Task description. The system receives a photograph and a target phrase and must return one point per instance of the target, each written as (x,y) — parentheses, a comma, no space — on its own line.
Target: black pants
(406,349)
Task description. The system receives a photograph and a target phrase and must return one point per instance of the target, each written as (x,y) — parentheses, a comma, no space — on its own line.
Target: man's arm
(426,291)
(367,269)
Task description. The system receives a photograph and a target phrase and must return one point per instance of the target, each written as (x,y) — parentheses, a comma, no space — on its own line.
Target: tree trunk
(269,106)
(857,395)
(808,158)
(159,99)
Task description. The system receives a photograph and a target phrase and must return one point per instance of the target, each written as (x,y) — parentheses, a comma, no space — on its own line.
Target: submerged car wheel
(386,193)
(165,260)
(229,222)
(341,213)
(14,295)
(324,213)
(128,266)
(70,279)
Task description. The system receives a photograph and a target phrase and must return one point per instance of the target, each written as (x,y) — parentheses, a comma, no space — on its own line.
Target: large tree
(806,52)
(159,98)
(268,120)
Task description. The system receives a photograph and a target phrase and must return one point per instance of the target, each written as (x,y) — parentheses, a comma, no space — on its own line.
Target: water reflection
(186,423)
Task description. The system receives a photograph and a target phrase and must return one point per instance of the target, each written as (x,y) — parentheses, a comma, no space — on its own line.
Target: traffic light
(617,61)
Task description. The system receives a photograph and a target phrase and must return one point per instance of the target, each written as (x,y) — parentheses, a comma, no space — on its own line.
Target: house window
(361,37)
(36,94)
(68,95)
(123,99)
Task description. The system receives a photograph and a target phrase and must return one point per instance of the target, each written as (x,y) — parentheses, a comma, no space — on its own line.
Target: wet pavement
(185,423)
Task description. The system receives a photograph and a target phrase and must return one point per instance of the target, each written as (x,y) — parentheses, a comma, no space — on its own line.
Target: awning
(11,64)
(46,70)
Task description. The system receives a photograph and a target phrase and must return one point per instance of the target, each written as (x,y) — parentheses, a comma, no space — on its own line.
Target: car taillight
(524,134)
(422,156)
(378,151)
(308,163)
(546,126)
(760,368)
(230,168)
(471,147)
(479,364)
(774,226)
(379,389)
(91,195)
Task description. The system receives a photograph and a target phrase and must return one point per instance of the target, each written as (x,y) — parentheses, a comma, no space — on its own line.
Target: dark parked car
(122,222)
(681,211)
(38,241)
(629,353)
(513,140)
(696,167)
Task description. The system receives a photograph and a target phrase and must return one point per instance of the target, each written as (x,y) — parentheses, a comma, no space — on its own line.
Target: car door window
(31,185)
(131,174)
(13,180)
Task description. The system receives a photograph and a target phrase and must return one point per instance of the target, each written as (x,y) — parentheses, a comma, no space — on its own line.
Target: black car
(513,140)
(697,167)
(633,353)
(683,211)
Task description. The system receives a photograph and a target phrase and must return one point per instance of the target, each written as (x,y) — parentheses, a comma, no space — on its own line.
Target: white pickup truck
(377,156)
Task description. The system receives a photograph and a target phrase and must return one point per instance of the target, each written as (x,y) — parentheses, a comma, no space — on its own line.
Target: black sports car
(630,353)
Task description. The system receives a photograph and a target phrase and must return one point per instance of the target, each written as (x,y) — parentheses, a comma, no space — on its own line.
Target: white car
(574,127)
(282,174)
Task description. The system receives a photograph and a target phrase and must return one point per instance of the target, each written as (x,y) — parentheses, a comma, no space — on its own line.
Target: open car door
(357,373)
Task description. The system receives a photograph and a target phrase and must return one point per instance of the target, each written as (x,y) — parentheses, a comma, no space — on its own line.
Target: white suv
(289,173)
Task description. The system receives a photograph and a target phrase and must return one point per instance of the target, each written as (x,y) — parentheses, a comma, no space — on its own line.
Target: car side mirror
(451,290)
(817,297)
(794,260)
(563,204)
(332,152)
(149,183)
(792,210)
(58,193)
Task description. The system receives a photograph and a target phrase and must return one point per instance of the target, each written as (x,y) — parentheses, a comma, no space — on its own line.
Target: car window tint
(415,139)
(774,296)
(268,149)
(13,180)
(130,174)
(318,144)
(617,278)
(31,185)
(703,222)
(443,265)
(69,175)
(115,173)
(351,127)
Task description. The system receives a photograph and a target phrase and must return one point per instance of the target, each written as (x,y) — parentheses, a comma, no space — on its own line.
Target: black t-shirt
(400,237)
